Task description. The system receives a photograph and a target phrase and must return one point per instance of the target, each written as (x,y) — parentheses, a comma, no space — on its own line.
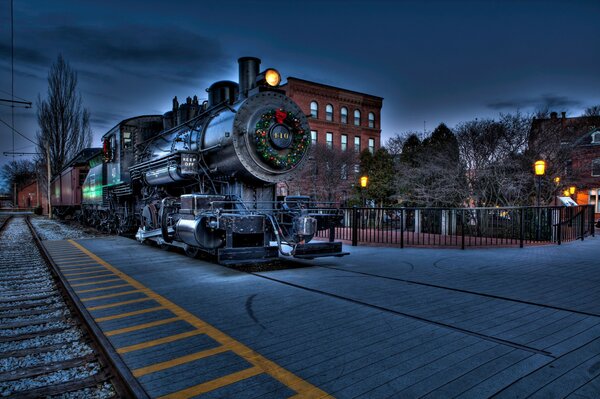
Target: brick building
(31,196)
(343,123)
(339,118)
(581,135)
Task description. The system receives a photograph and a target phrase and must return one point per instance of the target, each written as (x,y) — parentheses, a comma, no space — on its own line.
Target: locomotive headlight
(272,77)
(269,77)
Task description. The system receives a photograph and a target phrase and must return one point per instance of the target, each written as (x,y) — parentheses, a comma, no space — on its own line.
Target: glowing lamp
(364,180)
(272,77)
(572,190)
(557,180)
(566,193)
(540,168)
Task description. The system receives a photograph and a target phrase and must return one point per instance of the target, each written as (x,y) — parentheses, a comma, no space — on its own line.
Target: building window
(371,145)
(596,138)
(344,142)
(594,200)
(329,136)
(344,115)
(356,117)
(596,167)
(314,109)
(313,136)
(329,112)
(371,119)
(357,144)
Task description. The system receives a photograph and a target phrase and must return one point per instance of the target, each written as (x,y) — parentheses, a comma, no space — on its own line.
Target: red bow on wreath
(280,115)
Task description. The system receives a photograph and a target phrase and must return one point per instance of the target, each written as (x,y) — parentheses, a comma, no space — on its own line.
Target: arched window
(356,117)
(371,119)
(596,138)
(314,109)
(344,115)
(329,112)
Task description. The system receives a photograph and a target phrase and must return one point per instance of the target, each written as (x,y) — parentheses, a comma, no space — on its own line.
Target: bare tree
(592,111)
(64,123)
(327,176)
(18,172)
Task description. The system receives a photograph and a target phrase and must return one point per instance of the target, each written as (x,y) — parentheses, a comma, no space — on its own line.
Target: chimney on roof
(553,115)
(563,114)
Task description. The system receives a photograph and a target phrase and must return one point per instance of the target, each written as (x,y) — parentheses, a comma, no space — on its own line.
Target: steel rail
(125,384)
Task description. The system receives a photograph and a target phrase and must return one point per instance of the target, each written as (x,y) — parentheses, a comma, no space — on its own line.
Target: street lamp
(556,185)
(364,180)
(540,169)
(572,190)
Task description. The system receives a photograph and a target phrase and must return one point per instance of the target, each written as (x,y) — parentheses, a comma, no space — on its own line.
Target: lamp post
(364,181)
(540,169)
(556,185)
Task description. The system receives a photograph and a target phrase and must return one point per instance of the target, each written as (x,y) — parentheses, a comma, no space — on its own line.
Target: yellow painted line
(141,326)
(261,363)
(160,341)
(180,360)
(93,298)
(128,314)
(214,384)
(100,268)
(106,274)
(102,288)
(117,304)
(95,282)
(68,268)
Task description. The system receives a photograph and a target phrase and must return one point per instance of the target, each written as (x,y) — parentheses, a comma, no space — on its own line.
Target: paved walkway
(379,323)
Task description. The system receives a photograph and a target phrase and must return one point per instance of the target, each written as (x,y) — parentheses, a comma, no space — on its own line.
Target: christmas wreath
(280,158)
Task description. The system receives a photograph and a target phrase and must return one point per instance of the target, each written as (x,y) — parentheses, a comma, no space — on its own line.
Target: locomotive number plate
(189,163)
(281,137)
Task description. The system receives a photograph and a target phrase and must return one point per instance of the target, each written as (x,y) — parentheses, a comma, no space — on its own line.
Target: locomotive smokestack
(249,69)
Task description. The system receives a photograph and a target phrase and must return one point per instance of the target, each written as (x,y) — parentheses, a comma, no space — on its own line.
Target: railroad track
(48,346)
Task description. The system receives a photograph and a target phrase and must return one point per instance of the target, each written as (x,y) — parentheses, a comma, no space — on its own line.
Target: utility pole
(49,176)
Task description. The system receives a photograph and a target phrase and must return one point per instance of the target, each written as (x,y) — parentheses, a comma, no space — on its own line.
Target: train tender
(202,176)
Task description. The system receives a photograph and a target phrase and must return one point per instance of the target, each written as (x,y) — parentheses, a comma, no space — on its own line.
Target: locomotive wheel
(190,251)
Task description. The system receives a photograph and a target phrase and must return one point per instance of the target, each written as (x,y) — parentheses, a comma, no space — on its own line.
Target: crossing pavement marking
(100,268)
(102,288)
(117,304)
(105,274)
(96,282)
(160,341)
(260,363)
(214,384)
(141,326)
(178,361)
(128,314)
(93,298)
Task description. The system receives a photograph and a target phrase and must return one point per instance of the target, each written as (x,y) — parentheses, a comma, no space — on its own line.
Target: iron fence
(464,227)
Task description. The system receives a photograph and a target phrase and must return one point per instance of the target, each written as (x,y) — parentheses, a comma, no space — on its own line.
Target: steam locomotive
(202,176)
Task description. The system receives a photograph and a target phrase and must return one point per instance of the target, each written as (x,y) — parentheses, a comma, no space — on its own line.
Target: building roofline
(332,87)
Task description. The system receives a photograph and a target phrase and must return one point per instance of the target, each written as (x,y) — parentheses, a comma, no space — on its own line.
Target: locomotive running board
(319,250)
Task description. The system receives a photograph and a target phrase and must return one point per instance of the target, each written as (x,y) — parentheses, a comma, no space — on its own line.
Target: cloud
(545,101)
(170,53)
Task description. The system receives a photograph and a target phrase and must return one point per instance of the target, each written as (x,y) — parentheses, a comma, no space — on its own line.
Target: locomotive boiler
(202,176)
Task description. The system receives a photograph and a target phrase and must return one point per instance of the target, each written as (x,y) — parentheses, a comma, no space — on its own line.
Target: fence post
(401,228)
(559,229)
(354,226)
(592,227)
(332,233)
(462,231)
(582,223)
(521,227)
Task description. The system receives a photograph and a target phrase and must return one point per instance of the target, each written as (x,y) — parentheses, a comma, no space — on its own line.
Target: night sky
(433,61)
